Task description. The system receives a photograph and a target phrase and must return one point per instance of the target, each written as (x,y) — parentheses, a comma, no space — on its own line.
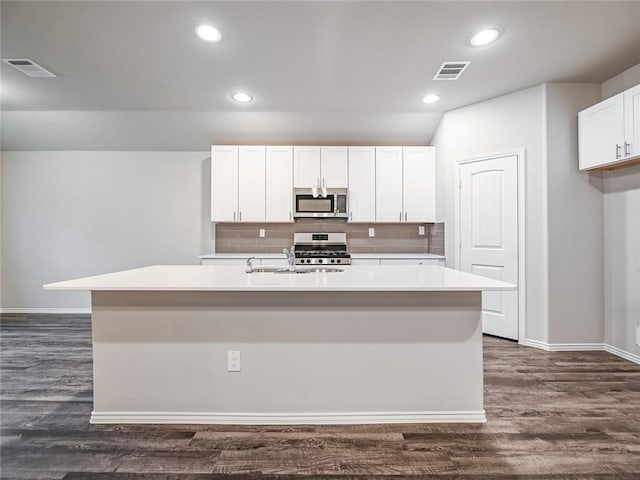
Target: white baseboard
(576,347)
(563,347)
(632,357)
(68,311)
(288,418)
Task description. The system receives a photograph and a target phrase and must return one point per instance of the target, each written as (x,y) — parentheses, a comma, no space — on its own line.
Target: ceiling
(320,71)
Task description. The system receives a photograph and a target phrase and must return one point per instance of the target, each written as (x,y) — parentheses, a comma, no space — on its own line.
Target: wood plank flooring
(551,415)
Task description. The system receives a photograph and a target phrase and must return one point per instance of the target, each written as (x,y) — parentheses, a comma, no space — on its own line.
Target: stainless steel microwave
(320,203)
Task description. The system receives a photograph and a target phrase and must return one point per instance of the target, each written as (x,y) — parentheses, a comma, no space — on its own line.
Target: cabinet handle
(400,216)
(234,216)
(618,149)
(318,182)
(405,216)
(350,216)
(626,149)
(290,216)
(240,216)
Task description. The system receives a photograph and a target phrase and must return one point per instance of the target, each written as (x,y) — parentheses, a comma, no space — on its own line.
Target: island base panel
(306,357)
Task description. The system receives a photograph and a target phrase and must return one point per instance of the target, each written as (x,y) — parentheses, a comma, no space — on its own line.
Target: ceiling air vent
(451,70)
(28,67)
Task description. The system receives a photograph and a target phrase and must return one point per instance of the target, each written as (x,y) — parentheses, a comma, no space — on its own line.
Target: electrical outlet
(420,229)
(262,233)
(233,361)
(372,232)
(638,336)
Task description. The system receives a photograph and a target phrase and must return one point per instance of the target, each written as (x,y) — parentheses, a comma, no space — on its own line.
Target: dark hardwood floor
(551,415)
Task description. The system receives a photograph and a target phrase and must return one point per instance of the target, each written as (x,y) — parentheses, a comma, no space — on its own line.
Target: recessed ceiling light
(484,37)
(208,33)
(430,98)
(242,97)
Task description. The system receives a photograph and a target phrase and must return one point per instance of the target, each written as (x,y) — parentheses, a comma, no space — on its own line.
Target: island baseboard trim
(348,418)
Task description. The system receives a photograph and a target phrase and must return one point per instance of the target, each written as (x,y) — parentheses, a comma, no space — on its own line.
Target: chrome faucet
(250,264)
(291,258)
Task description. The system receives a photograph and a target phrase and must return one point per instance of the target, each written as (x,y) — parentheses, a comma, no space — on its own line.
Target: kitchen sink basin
(297,270)
(266,270)
(323,270)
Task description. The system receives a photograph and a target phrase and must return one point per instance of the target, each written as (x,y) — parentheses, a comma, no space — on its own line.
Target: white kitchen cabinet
(632,121)
(306,167)
(601,133)
(237,184)
(389,184)
(224,183)
(609,132)
(412,261)
(362,184)
(419,184)
(251,184)
(333,167)
(365,261)
(279,184)
(405,184)
(320,166)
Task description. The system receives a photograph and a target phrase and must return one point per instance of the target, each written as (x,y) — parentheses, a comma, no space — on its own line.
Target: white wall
(510,122)
(564,220)
(621,82)
(622,240)
(73,214)
(575,229)
(622,258)
(1,208)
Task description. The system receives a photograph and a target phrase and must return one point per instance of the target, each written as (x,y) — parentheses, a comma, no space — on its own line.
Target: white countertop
(353,255)
(233,278)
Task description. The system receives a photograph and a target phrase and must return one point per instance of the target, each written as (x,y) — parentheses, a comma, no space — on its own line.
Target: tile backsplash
(389,237)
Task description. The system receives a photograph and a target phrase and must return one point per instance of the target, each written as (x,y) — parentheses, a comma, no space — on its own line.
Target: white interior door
(489,236)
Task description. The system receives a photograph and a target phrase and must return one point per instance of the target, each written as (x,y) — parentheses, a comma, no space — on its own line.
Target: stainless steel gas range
(321,249)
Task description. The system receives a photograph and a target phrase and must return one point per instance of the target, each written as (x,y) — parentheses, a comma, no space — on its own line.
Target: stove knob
(320,260)
(333,260)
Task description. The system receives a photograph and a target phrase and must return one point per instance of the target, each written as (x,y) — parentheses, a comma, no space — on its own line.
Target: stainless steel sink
(297,270)
(323,270)
(266,270)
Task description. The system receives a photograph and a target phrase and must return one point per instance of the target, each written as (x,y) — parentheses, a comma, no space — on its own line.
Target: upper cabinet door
(632,122)
(334,169)
(362,184)
(601,133)
(306,167)
(224,183)
(419,181)
(251,184)
(389,184)
(279,184)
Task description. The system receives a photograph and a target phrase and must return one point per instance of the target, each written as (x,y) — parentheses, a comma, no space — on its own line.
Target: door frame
(521,172)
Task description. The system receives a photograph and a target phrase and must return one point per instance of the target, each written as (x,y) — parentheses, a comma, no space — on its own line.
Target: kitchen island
(369,344)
